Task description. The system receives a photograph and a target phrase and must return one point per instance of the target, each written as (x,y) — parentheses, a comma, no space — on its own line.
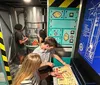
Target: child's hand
(25,38)
(56,74)
(67,65)
(52,74)
(59,75)
(50,64)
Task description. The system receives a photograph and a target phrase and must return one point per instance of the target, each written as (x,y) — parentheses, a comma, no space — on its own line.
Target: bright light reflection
(27,1)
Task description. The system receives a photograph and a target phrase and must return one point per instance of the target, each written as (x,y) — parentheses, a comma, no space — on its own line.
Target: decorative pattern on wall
(64,3)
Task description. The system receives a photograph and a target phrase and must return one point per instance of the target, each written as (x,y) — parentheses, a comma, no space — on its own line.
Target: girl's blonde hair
(29,66)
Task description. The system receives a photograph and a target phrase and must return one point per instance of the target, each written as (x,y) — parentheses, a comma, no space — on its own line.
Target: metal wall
(21,19)
(6,31)
(6,28)
(8,21)
(13,16)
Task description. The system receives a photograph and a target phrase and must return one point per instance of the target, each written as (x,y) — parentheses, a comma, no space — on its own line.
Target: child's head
(42,35)
(32,62)
(29,66)
(50,43)
(18,27)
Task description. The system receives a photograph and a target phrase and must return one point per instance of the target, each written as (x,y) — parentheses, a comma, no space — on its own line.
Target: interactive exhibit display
(62,25)
(87,50)
(66,78)
(89,46)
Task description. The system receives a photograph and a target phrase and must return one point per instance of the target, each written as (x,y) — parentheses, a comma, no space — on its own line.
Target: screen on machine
(89,46)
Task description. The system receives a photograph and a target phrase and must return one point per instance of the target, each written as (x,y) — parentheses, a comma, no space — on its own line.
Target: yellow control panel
(67,78)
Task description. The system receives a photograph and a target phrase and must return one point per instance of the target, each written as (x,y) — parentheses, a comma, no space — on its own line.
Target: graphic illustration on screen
(94,31)
(90,39)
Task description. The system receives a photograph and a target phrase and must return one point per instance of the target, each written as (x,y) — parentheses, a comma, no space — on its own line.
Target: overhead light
(27,1)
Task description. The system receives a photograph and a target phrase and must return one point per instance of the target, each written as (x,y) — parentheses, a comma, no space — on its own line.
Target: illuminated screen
(89,46)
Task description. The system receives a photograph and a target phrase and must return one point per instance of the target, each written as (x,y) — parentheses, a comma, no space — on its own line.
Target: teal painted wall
(62,23)
(65,59)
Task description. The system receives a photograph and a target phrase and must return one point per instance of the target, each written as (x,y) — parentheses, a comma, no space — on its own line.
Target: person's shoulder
(53,51)
(17,32)
(36,49)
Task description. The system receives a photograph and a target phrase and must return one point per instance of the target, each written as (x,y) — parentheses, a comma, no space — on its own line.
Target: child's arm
(59,59)
(47,63)
(23,41)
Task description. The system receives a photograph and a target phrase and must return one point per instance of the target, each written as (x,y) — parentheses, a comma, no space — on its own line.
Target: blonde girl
(27,75)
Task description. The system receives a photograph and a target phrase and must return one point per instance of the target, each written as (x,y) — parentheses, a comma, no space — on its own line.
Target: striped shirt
(35,80)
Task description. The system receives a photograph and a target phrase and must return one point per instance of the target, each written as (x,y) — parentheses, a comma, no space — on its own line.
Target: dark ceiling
(21,3)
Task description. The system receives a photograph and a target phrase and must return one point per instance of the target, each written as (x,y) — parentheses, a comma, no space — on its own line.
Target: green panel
(66,22)
(62,24)
(65,59)
(3,80)
(55,32)
(60,14)
(3,83)
(68,36)
(71,14)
